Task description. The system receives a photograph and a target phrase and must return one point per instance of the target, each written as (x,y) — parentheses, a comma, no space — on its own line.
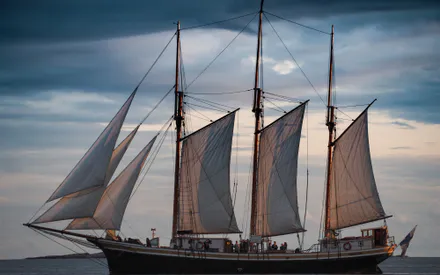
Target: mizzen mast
(178,104)
(257,109)
(331,123)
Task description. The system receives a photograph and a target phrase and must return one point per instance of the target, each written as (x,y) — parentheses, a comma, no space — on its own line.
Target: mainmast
(331,127)
(178,104)
(257,109)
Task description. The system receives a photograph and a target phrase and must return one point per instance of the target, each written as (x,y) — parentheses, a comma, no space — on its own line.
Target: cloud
(281,67)
(401,148)
(285,67)
(66,102)
(62,79)
(54,21)
(403,125)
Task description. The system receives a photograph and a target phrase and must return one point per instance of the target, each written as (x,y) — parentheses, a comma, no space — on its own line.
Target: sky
(67,67)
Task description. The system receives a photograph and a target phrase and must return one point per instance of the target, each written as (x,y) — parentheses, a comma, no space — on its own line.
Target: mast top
(261,5)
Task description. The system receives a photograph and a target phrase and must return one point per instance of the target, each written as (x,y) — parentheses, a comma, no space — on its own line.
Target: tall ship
(92,199)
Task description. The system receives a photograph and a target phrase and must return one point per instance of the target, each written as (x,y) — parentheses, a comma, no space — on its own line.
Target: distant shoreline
(69,256)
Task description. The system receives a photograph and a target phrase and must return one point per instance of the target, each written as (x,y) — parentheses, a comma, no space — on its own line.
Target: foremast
(257,109)
(331,123)
(178,117)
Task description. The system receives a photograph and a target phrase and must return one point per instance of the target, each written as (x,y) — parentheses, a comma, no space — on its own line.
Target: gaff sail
(354,198)
(277,202)
(205,196)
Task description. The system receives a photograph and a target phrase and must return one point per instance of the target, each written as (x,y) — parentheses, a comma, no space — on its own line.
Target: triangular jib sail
(83,203)
(111,207)
(354,198)
(205,196)
(277,204)
(91,170)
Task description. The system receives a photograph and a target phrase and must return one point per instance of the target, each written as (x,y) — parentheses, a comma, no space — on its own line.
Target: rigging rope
(217,22)
(299,67)
(157,105)
(149,162)
(205,107)
(235,186)
(296,23)
(154,154)
(345,114)
(218,55)
(274,109)
(68,248)
(324,192)
(276,106)
(261,59)
(206,117)
(307,177)
(353,106)
(210,103)
(137,87)
(155,61)
(146,169)
(221,93)
(296,100)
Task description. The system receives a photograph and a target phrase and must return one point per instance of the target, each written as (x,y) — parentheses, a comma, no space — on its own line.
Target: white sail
(205,196)
(353,194)
(277,203)
(111,207)
(83,203)
(91,170)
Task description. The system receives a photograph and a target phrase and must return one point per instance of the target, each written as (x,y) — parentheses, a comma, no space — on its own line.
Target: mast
(257,109)
(178,103)
(331,127)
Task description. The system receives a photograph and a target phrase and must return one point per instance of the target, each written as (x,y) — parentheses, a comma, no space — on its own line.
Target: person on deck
(269,245)
(148,242)
(236,247)
(206,244)
(274,246)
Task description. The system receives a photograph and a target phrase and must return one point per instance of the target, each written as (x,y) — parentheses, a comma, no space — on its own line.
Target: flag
(405,242)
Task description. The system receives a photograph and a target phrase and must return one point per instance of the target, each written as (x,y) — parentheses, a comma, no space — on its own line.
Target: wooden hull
(124,258)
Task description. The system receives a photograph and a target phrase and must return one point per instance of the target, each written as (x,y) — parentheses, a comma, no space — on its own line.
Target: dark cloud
(401,148)
(50,20)
(403,125)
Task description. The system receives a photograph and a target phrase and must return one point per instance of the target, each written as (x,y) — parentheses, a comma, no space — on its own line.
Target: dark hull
(126,262)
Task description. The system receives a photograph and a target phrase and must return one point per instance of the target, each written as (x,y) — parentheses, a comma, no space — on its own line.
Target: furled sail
(91,170)
(111,207)
(277,203)
(83,203)
(205,196)
(353,194)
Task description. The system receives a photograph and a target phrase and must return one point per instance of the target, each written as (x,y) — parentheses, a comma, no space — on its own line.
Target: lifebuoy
(347,246)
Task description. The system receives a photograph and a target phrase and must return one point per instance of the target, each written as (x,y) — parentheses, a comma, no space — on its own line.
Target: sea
(394,265)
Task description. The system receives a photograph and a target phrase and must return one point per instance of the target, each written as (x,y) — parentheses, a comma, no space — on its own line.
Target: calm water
(84,266)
